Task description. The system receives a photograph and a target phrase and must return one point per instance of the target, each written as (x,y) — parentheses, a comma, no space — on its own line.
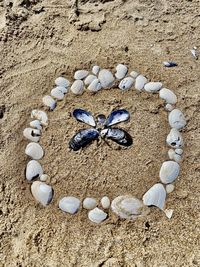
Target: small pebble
(89,203)
(44,177)
(169,213)
(89,79)
(169,107)
(106,78)
(60,81)
(49,102)
(126,83)
(170,188)
(80,74)
(97,215)
(121,71)
(77,87)
(95,69)
(134,74)
(69,204)
(153,87)
(105,202)
(140,81)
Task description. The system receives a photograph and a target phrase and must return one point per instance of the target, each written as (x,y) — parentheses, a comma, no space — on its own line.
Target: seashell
(179,151)
(40,115)
(62,89)
(97,215)
(126,83)
(95,69)
(153,87)
(168,96)
(34,150)
(36,124)
(176,119)
(170,64)
(32,134)
(155,196)
(174,138)
(49,102)
(56,93)
(177,158)
(117,135)
(84,116)
(77,87)
(128,207)
(69,204)
(169,188)
(169,107)
(42,192)
(140,81)
(117,116)
(95,86)
(101,121)
(169,213)
(121,71)
(89,203)
(194,53)
(169,171)
(33,170)
(134,74)
(174,156)
(106,78)
(90,78)
(105,202)
(80,74)
(44,177)
(60,81)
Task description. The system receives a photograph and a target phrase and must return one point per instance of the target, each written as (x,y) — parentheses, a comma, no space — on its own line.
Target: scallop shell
(95,86)
(168,96)
(34,150)
(69,204)
(89,203)
(90,78)
(169,171)
(56,93)
(105,202)
(140,81)
(97,215)
(95,69)
(36,124)
(42,192)
(128,207)
(174,139)
(77,87)
(155,196)
(33,170)
(106,78)
(80,74)
(153,87)
(134,74)
(121,71)
(32,134)
(176,119)
(49,102)
(40,115)
(60,81)
(126,83)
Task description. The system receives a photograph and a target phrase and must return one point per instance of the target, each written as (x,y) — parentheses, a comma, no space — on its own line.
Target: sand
(40,40)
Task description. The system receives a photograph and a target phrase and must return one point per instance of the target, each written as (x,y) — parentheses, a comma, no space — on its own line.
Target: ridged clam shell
(36,124)
(126,83)
(33,170)
(95,86)
(169,171)
(42,192)
(106,78)
(97,215)
(168,96)
(49,102)
(153,87)
(105,202)
(155,196)
(77,87)
(40,115)
(61,81)
(90,78)
(69,204)
(176,119)
(174,139)
(89,203)
(80,74)
(95,69)
(56,93)
(140,81)
(34,150)
(32,134)
(134,74)
(121,71)
(128,207)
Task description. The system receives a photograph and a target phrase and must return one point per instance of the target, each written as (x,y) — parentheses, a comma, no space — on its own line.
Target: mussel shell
(84,116)
(117,135)
(117,116)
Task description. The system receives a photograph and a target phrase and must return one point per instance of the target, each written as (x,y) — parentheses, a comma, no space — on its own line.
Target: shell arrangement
(125,206)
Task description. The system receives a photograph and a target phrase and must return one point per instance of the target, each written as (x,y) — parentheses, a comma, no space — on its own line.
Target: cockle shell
(106,78)
(121,71)
(32,134)
(174,138)
(89,203)
(60,81)
(155,196)
(105,202)
(80,74)
(126,83)
(49,102)
(134,74)
(77,87)
(97,215)
(95,69)
(34,150)
(153,87)
(90,78)
(40,115)
(69,204)
(140,81)
(57,93)
(168,96)
(169,171)
(36,124)
(33,170)
(128,207)
(176,119)
(95,86)
(42,192)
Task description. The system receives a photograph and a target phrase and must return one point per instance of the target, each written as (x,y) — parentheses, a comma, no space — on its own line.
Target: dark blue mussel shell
(84,116)
(119,136)
(117,116)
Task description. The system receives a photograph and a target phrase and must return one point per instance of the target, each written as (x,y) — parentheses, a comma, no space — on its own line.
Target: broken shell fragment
(89,79)
(57,93)
(174,138)
(80,74)
(40,115)
(42,192)
(194,53)
(176,119)
(95,86)
(33,170)
(169,171)
(49,102)
(105,202)
(140,81)
(169,213)
(60,81)
(155,196)
(126,83)
(168,96)
(36,124)
(106,78)
(89,203)
(69,204)
(97,215)
(153,87)
(34,150)
(77,87)
(32,134)
(170,64)
(121,71)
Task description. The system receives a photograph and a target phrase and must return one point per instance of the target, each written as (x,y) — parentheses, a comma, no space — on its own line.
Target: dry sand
(41,40)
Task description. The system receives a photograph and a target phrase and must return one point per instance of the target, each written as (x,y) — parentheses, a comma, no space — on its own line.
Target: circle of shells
(125,206)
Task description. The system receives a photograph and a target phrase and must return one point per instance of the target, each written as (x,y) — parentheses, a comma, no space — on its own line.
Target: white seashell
(62,89)
(140,81)
(169,107)
(105,202)
(134,74)
(168,96)
(176,119)
(89,79)
(177,158)
(34,150)
(97,215)
(179,151)
(106,78)
(126,83)
(80,74)
(95,69)
(77,87)
(169,171)
(170,188)
(174,139)
(36,124)
(33,170)
(69,204)
(40,115)
(89,203)
(49,102)
(153,87)
(42,192)
(56,93)
(44,177)
(32,134)
(174,156)
(171,153)
(95,86)
(155,196)
(194,53)
(60,81)
(128,207)
(169,213)
(121,71)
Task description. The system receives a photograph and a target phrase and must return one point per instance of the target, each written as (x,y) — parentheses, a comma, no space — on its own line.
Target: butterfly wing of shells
(117,116)
(82,115)
(117,135)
